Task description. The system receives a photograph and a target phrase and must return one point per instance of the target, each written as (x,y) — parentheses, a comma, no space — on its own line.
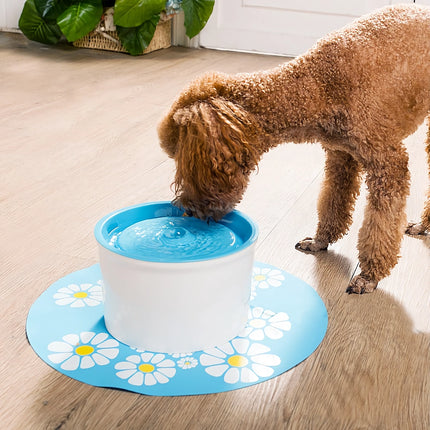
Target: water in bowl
(175,238)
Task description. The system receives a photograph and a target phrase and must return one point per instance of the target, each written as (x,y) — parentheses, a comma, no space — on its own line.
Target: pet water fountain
(173,283)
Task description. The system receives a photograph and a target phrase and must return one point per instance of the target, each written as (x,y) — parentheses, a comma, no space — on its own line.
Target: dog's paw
(415,229)
(311,245)
(360,285)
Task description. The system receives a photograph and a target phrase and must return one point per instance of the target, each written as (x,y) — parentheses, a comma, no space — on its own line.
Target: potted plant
(49,21)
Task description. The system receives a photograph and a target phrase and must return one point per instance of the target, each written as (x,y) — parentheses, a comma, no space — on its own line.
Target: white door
(10,11)
(286,27)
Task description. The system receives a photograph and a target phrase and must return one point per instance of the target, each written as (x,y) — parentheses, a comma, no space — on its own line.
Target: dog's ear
(168,133)
(202,89)
(215,152)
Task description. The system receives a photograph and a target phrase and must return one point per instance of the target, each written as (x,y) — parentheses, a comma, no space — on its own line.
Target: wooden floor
(79,140)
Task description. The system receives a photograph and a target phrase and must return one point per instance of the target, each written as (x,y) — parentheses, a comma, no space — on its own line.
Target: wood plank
(80,141)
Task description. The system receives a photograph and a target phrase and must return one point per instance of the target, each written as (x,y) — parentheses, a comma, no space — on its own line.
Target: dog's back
(379,63)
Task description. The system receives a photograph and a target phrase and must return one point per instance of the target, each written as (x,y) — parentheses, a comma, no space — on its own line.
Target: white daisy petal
(65,290)
(60,357)
(226,348)
(267,359)
(72,363)
(101,360)
(166,363)
(263,285)
(210,360)
(84,287)
(275,272)
(160,378)
(258,348)
(280,316)
(168,371)
(274,282)
(245,332)
(123,365)
(282,325)
(257,312)
(134,359)
(86,336)
(125,374)
(136,379)
(247,375)
(146,356)
(66,301)
(60,347)
(273,333)
(216,370)
(99,338)
(72,339)
(91,302)
(61,296)
(78,303)
(267,314)
(232,375)
(240,345)
(109,353)
(149,379)
(262,371)
(157,358)
(109,343)
(87,362)
(74,287)
(215,352)
(257,334)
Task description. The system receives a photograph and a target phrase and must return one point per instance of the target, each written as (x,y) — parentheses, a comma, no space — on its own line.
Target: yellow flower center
(80,295)
(84,350)
(260,277)
(146,368)
(237,361)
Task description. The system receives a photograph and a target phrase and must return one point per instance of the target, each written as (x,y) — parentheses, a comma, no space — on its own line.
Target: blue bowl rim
(102,235)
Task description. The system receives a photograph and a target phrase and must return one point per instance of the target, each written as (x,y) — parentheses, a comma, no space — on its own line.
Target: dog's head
(214,144)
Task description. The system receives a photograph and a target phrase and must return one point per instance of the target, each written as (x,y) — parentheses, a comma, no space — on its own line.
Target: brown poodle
(359,92)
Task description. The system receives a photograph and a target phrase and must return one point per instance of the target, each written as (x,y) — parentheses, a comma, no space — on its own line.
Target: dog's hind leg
(336,201)
(384,219)
(424,225)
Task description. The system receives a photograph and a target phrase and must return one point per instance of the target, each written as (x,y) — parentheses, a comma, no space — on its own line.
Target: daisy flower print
(264,323)
(239,361)
(83,351)
(78,296)
(187,363)
(265,277)
(147,368)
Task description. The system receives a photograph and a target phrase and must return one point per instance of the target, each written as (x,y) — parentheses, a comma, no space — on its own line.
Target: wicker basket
(108,40)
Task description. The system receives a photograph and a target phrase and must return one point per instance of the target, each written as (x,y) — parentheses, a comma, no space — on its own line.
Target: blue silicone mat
(287,322)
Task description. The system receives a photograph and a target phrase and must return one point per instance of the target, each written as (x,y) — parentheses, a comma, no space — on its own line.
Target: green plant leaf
(80,18)
(35,27)
(133,13)
(136,39)
(50,10)
(196,14)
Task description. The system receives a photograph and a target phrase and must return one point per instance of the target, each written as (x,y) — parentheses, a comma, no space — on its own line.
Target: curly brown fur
(359,92)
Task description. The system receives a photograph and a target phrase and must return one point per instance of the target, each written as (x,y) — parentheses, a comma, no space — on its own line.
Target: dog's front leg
(384,219)
(339,191)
